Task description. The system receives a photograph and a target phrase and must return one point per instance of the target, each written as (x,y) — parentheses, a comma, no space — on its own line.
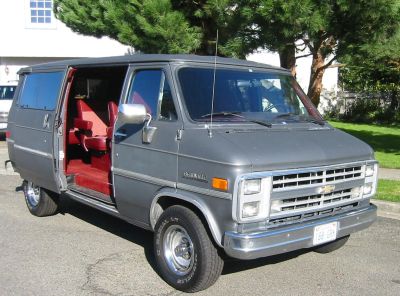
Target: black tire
(332,246)
(40,202)
(205,265)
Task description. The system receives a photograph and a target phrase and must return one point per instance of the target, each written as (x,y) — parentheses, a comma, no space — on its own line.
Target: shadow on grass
(379,142)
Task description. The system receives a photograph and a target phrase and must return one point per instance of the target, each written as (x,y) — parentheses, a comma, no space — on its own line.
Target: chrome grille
(313,192)
(308,179)
(316,200)
(311,215)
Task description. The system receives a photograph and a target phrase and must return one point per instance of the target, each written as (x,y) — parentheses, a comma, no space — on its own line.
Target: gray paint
(33,150)
(143,173)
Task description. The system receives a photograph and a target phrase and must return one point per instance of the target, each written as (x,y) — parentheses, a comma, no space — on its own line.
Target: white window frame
(33,12)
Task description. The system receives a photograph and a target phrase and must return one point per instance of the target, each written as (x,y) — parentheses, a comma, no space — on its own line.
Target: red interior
(88,176)
(90,119)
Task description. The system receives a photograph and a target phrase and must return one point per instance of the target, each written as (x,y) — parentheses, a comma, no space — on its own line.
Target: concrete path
(389,174)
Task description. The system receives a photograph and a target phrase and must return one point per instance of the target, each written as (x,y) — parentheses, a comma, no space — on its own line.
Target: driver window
(151,89)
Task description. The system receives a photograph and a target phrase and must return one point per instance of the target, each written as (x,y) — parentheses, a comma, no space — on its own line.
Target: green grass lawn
(383,139)
(388,190)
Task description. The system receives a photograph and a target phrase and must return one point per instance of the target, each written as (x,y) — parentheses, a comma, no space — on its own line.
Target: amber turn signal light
(221,184)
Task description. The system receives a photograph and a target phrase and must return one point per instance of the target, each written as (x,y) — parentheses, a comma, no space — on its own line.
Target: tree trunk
(394,103)
(287,58)
(317,72)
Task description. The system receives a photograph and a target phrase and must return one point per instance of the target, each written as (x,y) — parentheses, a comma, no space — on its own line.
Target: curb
(387,209)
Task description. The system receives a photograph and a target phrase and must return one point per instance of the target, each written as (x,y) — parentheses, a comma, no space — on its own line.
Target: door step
(100,205)
(92,194)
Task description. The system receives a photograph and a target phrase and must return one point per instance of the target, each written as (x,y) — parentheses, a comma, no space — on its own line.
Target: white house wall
(24,43)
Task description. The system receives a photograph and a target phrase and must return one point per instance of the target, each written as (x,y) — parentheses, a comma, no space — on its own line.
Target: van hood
(273,149)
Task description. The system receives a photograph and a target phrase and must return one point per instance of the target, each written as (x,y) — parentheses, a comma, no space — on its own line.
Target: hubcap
(32,194)
(178,249)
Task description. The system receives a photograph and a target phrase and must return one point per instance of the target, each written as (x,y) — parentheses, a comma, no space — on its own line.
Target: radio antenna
(213,88)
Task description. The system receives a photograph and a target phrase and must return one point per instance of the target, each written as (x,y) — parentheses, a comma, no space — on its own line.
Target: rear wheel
(186,257)
(332,246)
(39,201)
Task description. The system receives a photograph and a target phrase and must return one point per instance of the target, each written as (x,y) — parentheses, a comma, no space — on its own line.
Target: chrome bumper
(294,237)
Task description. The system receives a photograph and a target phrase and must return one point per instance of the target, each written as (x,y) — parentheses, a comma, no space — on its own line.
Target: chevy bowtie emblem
(326,189)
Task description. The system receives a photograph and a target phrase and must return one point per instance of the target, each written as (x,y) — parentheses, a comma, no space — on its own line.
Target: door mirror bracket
(148,131)
(136,114)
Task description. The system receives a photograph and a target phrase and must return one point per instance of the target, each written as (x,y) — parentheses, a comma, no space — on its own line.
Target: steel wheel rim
(33,194)
(178,250)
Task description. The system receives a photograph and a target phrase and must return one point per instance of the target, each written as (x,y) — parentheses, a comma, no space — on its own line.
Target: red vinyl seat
(112,115)
(93,134)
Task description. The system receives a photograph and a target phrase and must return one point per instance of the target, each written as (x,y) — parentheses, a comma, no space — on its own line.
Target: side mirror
(132,113)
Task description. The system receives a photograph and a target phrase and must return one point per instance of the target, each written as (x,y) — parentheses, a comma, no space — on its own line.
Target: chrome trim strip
(305,169)
(33,151)
(144,147)
(93,202)
(213,193)
(33,128)
(213,161)
(142,177)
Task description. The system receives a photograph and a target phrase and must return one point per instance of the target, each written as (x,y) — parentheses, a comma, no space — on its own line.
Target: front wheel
(186,257)
(39,202)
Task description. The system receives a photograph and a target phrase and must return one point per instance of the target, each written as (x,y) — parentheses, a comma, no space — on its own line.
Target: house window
(41,11)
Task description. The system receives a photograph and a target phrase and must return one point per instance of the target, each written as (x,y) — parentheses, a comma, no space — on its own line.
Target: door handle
(46,121)
(119,134)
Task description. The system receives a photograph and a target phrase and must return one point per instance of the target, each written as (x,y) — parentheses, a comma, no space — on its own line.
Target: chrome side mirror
(132,113)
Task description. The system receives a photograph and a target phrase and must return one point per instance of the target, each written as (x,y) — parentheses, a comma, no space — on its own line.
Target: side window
(151,89)
(41,90)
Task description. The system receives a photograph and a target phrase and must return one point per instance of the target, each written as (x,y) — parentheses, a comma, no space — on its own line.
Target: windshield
(7,92)
(244,95)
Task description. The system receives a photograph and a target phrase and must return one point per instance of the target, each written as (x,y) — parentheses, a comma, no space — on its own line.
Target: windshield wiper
(223,113)
(284,115)
(237,114)
(301,117)
(321,123)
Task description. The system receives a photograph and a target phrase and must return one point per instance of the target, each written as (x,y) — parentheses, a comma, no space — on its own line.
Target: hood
(271,149)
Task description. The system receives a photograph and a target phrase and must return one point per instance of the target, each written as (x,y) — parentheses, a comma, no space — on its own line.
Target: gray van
(219,158)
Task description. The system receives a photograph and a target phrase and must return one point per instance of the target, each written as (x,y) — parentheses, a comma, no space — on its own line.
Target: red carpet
(90,177)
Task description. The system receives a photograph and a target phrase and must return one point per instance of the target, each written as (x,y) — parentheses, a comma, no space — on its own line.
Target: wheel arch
(169,197)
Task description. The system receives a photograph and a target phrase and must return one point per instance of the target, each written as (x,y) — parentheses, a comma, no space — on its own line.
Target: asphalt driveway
(84,252)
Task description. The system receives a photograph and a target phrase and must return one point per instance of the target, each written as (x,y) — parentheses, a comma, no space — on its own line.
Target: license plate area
(325,233)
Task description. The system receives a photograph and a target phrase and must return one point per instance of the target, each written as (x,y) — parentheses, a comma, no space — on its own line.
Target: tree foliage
(374,70)
(325,29)
(160,26)
(150,26)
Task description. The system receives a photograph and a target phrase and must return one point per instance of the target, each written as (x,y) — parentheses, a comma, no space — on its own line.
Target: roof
(147,58)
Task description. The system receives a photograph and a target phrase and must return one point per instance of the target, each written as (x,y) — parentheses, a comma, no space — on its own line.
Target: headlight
(371,179)
(369,170)
(252,200)
(251,186)
(250,209)
(367,188)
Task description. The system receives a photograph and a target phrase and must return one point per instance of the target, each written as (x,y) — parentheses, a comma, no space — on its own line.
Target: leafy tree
(327,29)
(375,68)
(160,26)
(148,25)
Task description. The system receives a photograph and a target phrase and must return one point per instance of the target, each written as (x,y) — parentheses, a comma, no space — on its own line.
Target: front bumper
(294,237)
